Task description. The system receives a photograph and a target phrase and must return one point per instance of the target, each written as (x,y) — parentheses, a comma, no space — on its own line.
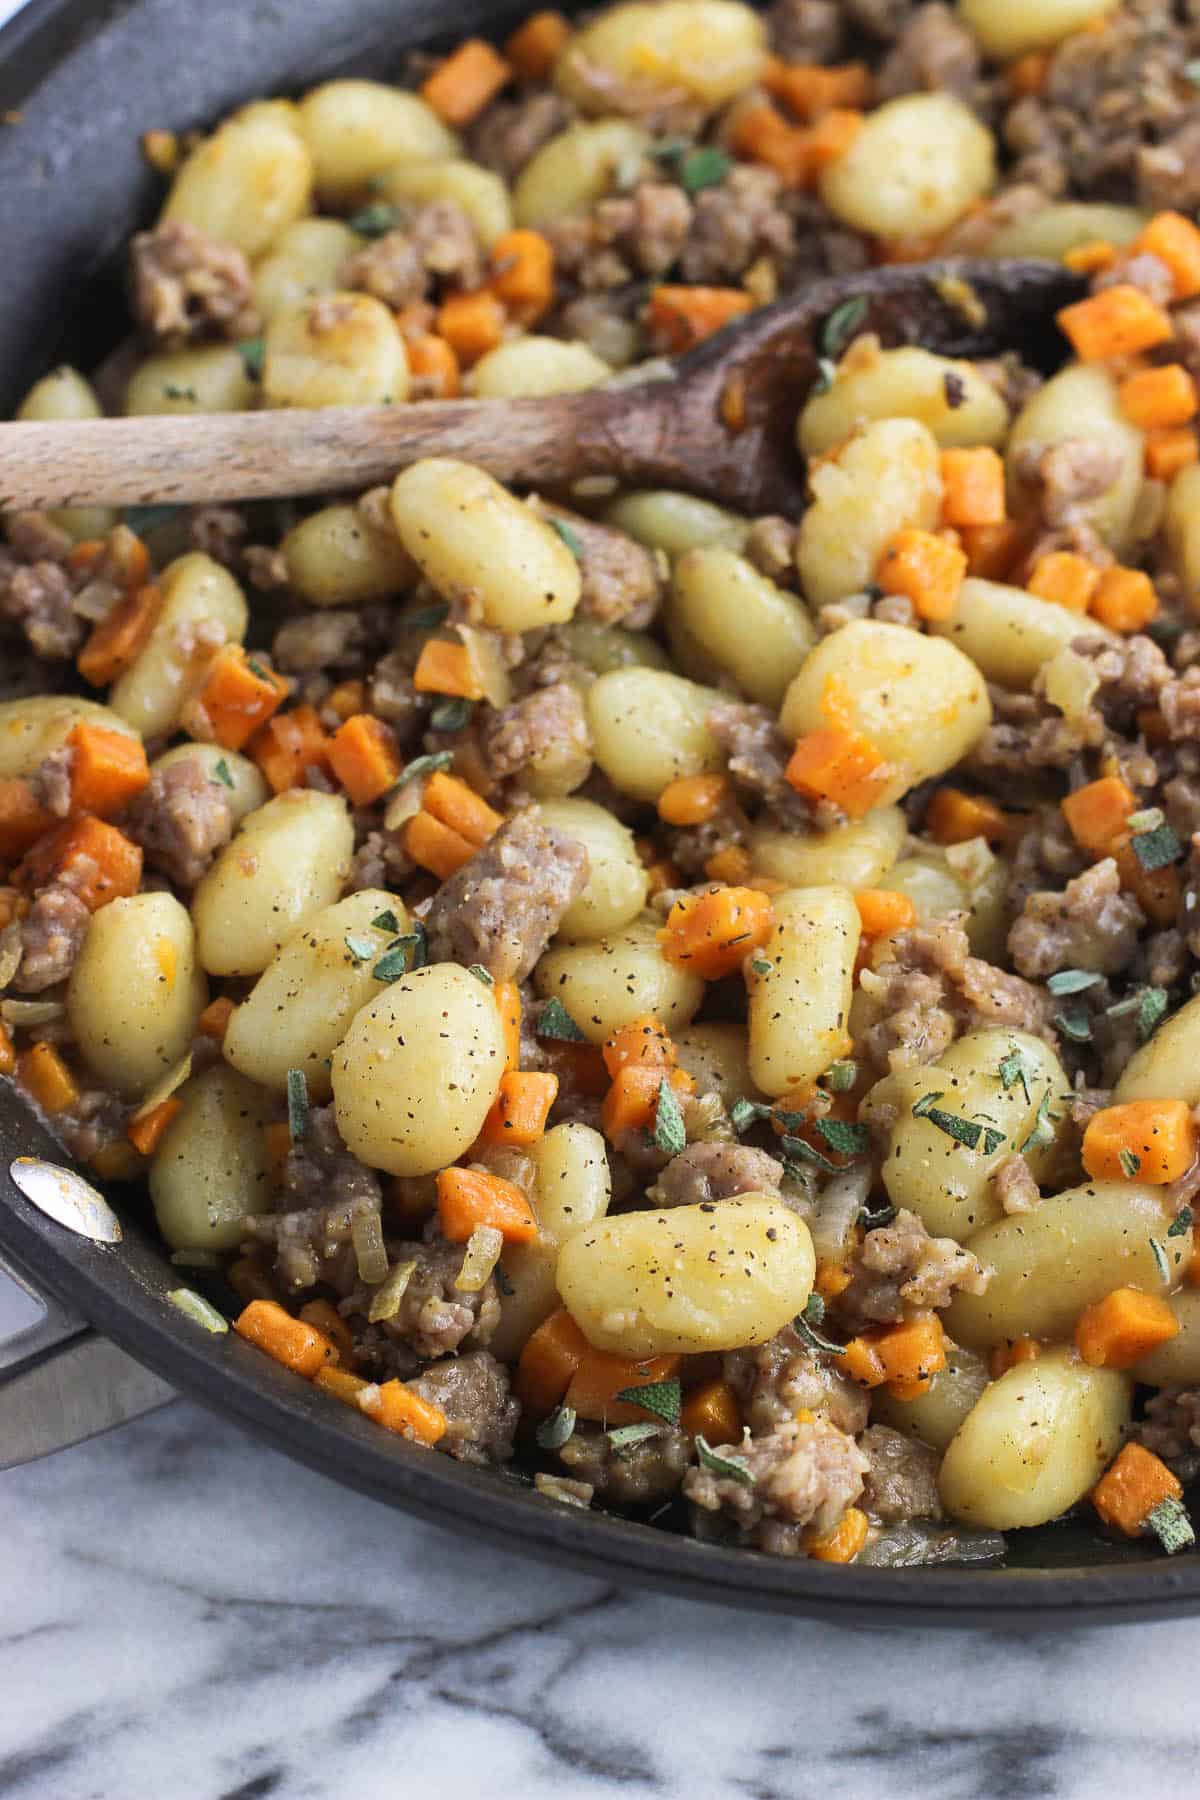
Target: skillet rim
(121,1290)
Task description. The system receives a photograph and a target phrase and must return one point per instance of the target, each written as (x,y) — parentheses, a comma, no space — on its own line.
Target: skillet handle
(60,1382)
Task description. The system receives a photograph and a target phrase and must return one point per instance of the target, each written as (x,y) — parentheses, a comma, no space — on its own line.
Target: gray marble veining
(187,1616)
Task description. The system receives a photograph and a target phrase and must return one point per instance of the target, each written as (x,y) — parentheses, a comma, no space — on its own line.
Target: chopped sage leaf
(1156,849)
(703,168)
(1130,1163)
(553,1432)
(662,1397)
(297,1104)
(554,1021)
(362,949)
(386,921)
(730,1467)
(174,392)
(408,952)
(423,765)
(964,1131)
(992,1140)
(842,325)
(761,966)
(570,538)
(926,1104)
(1171,1525)
(670,1133)
(800,1151)
(1075,1022)
(1072,981)
(428,618)
(481,974)
(198,1308)
(1180,1223)
(815,1340)
(257,670)
(375,220)
(846,1139)
(872,1221)
(1149,819)
(221,771)
(1042,1135)
(745,1113)
(826,374)
(625,1437)
(814,1310)
(451,715)
(252,352)
(1152,1009)
(1160,1258)
(1018,1065)
(840,1077)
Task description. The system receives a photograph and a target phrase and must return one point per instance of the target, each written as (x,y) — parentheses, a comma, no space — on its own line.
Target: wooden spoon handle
(262,455)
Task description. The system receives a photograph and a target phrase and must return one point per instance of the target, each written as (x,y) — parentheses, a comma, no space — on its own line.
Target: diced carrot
(108,769)
(44,1074)
(1173,448)
(733,864)
(1027,75)
(882,911)
(397,1408)
(22,820)
(1157,397)
(905,1356)
(8,1054)
(1064,579)
(1126,1325)
(842,766)
(831,137)
(1143,1140)
(239,693)
(685,316)
(760,133)
(341,1383)
(1174,240)
(1098,813)
(925,569)
(472,324)
(214,1020)
(468,80)
(1011,1353)
(1091,258)
(299,1347)
(93,858)
(507,996)
(642,1044)
(118,640)
(843,1543)
(277,1142)
(692,799)
(631,1103)
(600,1377)
(519,1112)
(461,808)
(85,556)
(364,757)
(444,668)
(972,487)
(1124,599)
(832,1279)
(436,847)
(535,47)
(326,1317)
(811,89)
(522,265)
(1118,321)
(432,362)
(713,1412)
(291,744)
(993,551)
(1156,891)
(548,1361)
(346,698)
(1131,1487)
(954,817)
(116,1160)
(146,1133)
(468,1198)
(711,934)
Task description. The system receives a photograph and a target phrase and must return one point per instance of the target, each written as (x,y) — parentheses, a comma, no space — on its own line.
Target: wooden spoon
(724,425)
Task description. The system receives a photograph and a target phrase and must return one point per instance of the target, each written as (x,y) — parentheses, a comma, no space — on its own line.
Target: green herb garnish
(375,220)
(1018,1065)
(847,1140)
(221,771)
(257,670)
(1075,1022)
(703,168)
(1181,1222)
(874,1221)
(814,1310)
(1152,1009)
(1160,1255)
(362,949)
(745,1113)
(665,1398)
(297,1104)
(727,1466)
(422,766)
(826,374)
(570,537)
(968,1132)
(481,974)
(761,966)
(252,352)
(452,714)
(1042,1134)
(174,392)
(840,1077)
(553,1432)
(386,921)
(407,952)
(554,1021)
(625,1437)
(802,1151)
(925,1105)
(1170,1524)
(842,325)
(1071,981)
(1156,849)
(815,1340)
(670,1133)
(1130,1163)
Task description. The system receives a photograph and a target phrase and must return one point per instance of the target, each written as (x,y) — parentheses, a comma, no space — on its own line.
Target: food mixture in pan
(700,1003)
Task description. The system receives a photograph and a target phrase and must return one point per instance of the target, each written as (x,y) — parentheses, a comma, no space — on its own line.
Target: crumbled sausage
(901,1482)
(1090,925)
(503,906)
(900,1268)
(181,819)
(481,1414)
(187,285)
(802,1479)
(716,1172)
(628,1475)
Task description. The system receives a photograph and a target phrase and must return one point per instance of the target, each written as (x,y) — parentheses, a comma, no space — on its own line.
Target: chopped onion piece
(971,861)
(570,1493)
(366,1234)
(32,1012)
(844,1198)
(95,601)
(164,1088)
(198,1308)
(11,950)
(482,1254)
(1069,682)
(404,805)
(487,664)
(918,1542)
(385,1302)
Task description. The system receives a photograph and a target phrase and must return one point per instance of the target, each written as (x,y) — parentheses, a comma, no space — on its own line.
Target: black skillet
(78,83)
